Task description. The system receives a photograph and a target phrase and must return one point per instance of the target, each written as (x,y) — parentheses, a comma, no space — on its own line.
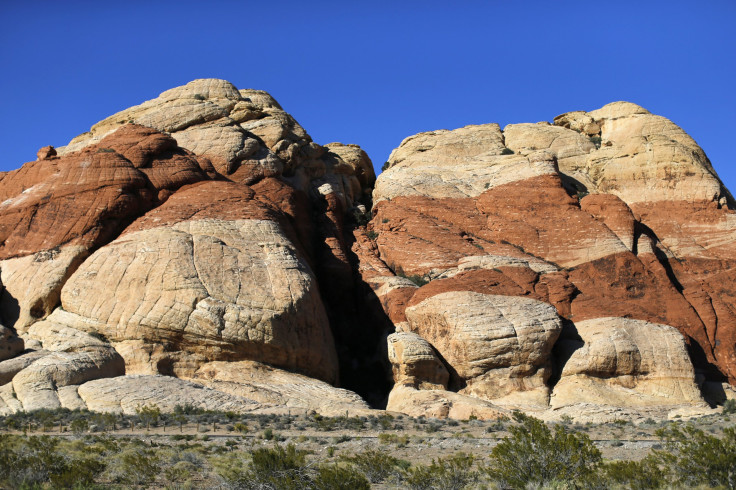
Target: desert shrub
(32,462)
(376,465)
(372,235)
(534,454)
(635,475)
(79,425)
(337,477)
(451,473)
(507,151)
(729,406)
(133,465)
(279,468)
(385,166)
(696,457)
(148,414)
(596,140)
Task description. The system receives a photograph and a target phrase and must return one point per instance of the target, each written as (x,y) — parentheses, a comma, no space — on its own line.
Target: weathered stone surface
(415,363)
(498,346)
(279,389)
(441,404)
(10,344)
(652,240)
(125,394)
(46,152)
(202,234)
(37,385)
(625,362)
(33,283)
(11,367)
(456,164)
(228,288)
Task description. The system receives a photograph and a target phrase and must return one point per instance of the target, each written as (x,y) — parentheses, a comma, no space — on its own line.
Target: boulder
(499,347)
(127,394)
(625,362)
(207,279)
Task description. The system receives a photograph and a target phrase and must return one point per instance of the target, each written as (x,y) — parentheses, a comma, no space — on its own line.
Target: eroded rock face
(204,236)
(497,345)
(415,363)
(278,389)
(612,213)
(221,284)
(177,233)
(627,363)
(126,394)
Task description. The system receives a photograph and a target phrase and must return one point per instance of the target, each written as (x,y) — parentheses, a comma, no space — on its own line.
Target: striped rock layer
(614,220)
(200,248)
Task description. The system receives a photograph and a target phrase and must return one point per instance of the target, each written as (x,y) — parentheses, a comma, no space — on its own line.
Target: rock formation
(614,217)
(200,248)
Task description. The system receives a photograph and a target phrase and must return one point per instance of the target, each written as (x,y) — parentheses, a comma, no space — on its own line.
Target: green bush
(281,468)
(729,406)
(336,477)
(31,462)
(134,465)
(376,465)
(696,457)
(635,475)
(534,454)
(451,473)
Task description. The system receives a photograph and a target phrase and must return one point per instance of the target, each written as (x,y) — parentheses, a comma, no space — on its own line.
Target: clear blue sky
(371,73)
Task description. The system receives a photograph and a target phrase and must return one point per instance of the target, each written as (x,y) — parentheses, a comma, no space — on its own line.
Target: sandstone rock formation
(174,235)
(200,248)
(619,361)
(614,217)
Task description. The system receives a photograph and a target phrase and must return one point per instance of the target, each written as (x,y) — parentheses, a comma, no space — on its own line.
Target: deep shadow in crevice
(568,342)
(9,309)
(642,229)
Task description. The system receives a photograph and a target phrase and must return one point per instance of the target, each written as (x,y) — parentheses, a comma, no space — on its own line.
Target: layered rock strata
(178,235)
(200,248)
(595,216)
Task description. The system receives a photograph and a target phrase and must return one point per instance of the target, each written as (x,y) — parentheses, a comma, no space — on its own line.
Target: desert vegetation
(197,449)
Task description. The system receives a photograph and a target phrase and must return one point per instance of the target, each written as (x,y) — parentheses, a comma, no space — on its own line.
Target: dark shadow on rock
(568,342)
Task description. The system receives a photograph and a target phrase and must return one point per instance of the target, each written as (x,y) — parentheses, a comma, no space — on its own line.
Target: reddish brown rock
(46,153)
(86,198)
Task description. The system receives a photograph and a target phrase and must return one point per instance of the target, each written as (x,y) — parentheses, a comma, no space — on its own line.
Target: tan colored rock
(569,148)
(33,283)
(210,288)
(415,363)
(10,367)
(245,134)
(499,346)
(625,362)
(8,402)
(461,163)
(10,344)
(74,357)
(37,386)
(279,389)
(441,404)
(644,158)
(126,394)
